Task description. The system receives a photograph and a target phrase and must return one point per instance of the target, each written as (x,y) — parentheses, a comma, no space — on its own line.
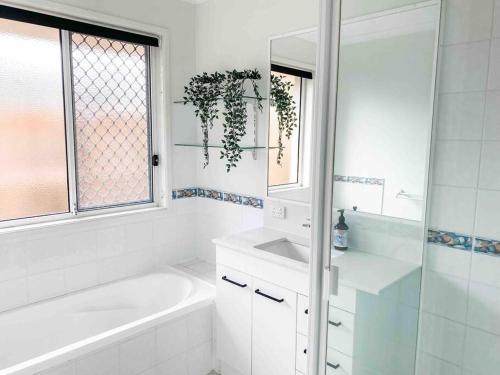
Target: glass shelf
(244,97)
(220,146)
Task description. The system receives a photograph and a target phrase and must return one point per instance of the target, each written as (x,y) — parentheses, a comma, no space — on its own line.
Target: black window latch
(155,160)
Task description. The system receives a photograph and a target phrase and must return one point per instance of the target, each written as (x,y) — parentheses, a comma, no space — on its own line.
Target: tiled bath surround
(460,331)
(182,346)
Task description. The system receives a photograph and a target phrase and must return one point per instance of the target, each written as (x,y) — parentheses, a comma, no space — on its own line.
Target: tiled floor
(200,269)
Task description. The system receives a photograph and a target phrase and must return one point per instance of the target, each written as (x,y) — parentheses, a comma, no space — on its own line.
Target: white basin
(286,248)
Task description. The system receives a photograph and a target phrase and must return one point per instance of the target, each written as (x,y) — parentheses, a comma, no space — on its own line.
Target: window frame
(160,124)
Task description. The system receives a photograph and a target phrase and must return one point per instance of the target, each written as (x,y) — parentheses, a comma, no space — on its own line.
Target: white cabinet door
(274,329)
(234,319)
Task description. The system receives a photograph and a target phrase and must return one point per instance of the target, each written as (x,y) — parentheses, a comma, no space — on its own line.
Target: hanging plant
(235,112)
(282,99)
(203,91)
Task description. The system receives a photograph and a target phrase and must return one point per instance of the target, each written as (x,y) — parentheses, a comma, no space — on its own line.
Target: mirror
(293,67)
(384,111)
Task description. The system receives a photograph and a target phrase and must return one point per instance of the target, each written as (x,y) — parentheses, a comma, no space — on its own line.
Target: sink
(286,248)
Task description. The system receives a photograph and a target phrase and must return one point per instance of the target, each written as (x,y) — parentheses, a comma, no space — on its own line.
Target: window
(76,127)
(293,169)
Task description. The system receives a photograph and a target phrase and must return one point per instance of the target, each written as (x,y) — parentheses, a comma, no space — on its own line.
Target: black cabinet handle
(306,312)
(333,366)
(234,282)
(336,324)
(257,291)
(305,351)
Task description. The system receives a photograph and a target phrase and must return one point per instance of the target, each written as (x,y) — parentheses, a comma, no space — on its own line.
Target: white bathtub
(49,333)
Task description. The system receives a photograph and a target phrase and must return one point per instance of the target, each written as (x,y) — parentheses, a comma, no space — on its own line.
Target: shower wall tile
(445,296)
(13,293)
(489,177)
(488,207)
(460,116)
(467,21)
(46,285)
(484,307)
(481,352)
(492,116)
(452,208)
(494,67)
(448,261)
(442,338)
(456,163)
(429,365)
(485,269)
(464,67)
(12,262)
(496,20)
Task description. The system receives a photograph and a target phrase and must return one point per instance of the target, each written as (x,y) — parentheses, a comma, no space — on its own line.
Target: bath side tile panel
(138,353)
(199,327)
(172,339)
(102,362)
(177,365)
(200,359)
(67,368)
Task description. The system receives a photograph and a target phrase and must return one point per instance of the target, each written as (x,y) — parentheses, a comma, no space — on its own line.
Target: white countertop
(360,270)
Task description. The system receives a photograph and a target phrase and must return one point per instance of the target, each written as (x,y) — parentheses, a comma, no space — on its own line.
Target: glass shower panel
(385,95)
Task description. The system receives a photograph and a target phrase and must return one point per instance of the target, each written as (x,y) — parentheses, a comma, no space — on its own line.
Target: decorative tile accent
(491,247)
(450,239)
(218,195)
(359,180)
(184,193)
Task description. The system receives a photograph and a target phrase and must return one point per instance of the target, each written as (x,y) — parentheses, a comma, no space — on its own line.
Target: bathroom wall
(47,261)
(460,329)
(234,35)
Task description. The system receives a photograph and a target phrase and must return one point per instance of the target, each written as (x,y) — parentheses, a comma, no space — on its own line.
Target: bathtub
(46,334)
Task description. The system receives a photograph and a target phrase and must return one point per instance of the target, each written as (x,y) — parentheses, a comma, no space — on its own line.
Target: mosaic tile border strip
(449,239)
(490,247)
(359,180)
(219,196)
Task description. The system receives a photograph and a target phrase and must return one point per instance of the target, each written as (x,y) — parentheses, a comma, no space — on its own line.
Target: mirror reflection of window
(294,167)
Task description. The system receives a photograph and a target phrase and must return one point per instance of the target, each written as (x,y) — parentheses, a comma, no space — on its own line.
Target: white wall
(40,263)
(460,330)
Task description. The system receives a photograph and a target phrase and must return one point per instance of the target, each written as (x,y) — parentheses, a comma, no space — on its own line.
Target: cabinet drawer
(341,331)
(274,324)
(234,319)
(345,300)
(302,314)
(301,357)
(343,362)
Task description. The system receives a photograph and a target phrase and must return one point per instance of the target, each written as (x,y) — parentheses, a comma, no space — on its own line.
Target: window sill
(57,223)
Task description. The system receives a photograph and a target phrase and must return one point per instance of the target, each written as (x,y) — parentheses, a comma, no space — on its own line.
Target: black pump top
(341,224)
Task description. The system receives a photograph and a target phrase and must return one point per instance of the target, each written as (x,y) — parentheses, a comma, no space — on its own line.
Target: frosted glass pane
(112,129)
(33,172)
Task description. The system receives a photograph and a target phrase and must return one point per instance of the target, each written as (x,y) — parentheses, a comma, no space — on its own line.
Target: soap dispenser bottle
(340,233)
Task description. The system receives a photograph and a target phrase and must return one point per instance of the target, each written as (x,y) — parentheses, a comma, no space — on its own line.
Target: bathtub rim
(204,296)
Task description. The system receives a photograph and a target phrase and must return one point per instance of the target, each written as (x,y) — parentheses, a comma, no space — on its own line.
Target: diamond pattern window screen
(112,122)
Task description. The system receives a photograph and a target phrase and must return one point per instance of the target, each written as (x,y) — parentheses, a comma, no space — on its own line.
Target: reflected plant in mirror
(284,105)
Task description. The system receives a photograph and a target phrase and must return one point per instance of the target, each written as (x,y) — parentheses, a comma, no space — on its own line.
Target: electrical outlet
(278,212)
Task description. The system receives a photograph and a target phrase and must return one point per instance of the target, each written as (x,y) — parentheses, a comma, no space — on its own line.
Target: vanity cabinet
(256,325)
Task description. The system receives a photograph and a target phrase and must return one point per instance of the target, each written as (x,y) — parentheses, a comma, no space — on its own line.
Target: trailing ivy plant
(235,112)
(203,91)
(282,99)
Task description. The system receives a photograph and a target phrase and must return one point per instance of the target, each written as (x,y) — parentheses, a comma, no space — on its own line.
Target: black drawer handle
(336,324)
(305,351)
(333,366)
(234,282)
(257,291)
(306,312)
